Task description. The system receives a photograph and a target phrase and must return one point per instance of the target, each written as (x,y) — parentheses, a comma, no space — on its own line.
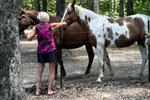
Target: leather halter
(26,15)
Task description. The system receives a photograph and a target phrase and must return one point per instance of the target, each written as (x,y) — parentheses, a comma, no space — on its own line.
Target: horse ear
(73,3)
(85,17)
(21,9)
(89,19)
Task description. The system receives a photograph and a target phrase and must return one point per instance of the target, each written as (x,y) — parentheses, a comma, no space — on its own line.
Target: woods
(112,8)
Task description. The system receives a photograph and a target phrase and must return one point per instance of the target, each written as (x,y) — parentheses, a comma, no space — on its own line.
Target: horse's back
(144,18)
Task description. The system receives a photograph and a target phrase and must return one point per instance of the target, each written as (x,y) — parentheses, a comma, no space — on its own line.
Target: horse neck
(84,25)
(33,16)
(54,19)
(83,11)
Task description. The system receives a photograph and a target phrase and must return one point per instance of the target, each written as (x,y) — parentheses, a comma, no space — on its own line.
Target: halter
(29,18)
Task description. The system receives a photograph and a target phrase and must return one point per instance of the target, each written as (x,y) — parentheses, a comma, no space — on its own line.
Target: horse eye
(19,19)
(69,13)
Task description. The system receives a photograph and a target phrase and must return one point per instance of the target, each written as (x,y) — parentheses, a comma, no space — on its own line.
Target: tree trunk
(37,5)
(20,3)
(11,87)
(44,5)
(60,7)
(96,6)
(121,8)
(130,7)
(114,6)
(81,2)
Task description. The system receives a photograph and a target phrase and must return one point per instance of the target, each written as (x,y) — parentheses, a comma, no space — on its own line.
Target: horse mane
(82,12)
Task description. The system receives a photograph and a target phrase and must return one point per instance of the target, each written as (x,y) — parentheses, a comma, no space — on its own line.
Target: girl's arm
(55,25)
(32,34)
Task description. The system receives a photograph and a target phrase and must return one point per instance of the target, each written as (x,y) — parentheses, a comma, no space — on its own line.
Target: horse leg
(100,54)
(90,52)
(56,66)
(106,57)
(144,55)
(59,58)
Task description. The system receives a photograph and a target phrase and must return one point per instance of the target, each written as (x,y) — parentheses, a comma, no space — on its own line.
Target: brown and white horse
(84,23)
(110,32)
(74,37)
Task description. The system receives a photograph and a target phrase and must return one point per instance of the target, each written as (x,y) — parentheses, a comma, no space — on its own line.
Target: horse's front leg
(100,54)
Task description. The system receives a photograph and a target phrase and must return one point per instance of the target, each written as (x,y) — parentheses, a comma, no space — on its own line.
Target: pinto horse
(74,37)
(84,23)
(110,32)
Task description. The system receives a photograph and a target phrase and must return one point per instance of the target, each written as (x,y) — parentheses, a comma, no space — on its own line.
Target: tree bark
(121,9)
(96,6)
(60,7)
(11,87)
(44,5)
(20,3)
(37,5)
(114,6)
(130,7)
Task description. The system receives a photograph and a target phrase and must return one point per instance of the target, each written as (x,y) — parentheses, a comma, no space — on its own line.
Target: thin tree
(60,6)
(11,87)
(96,6)
(121,9)
(37,5)
(20,3)
(130,7)
(44,5)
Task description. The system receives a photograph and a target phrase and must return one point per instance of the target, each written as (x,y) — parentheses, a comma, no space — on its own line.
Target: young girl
(45,49)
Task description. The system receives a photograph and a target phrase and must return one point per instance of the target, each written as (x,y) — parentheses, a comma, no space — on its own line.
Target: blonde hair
(43,16)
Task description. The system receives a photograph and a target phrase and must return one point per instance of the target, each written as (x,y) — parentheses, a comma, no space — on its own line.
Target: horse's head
(25,19)
(70,14)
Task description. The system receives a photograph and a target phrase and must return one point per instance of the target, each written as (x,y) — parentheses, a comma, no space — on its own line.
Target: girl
(45,49)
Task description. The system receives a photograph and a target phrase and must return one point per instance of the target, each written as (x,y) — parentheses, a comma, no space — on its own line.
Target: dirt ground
(124,85)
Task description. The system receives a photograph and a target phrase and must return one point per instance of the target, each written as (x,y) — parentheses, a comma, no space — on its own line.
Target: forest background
(111,8)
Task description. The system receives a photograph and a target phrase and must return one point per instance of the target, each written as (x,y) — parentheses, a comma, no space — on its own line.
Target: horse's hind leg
(60,61)
(107,59)
(90,52)
(144,54)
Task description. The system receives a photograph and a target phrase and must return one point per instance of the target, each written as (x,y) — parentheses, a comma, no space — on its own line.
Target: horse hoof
(86,75)
(64,74)
(99,80)
(140,75)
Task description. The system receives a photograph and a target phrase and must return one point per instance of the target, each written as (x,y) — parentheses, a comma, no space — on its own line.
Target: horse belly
(74,41)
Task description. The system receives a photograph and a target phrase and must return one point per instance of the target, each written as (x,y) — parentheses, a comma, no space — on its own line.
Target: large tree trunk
(60,7)
(11,87)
